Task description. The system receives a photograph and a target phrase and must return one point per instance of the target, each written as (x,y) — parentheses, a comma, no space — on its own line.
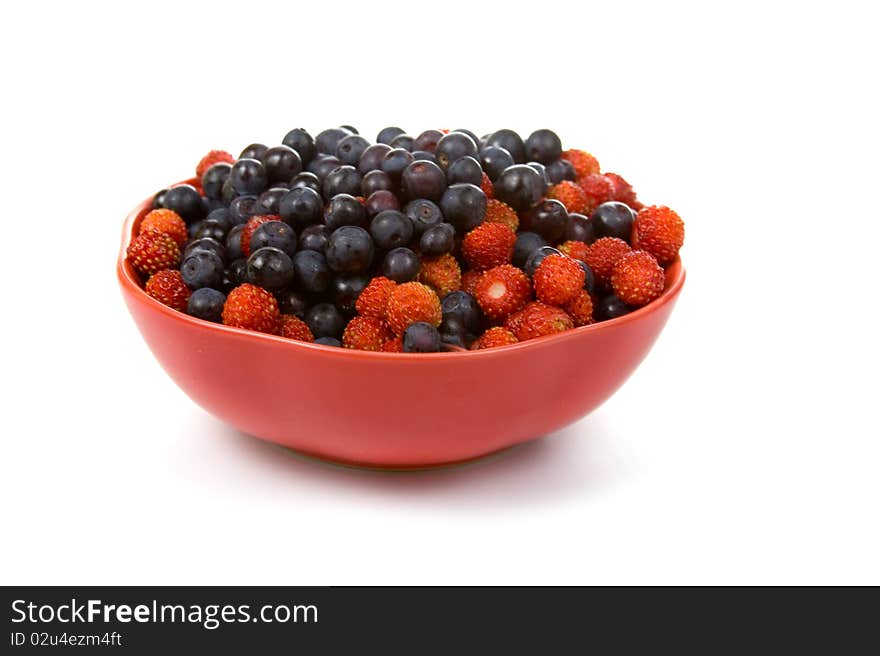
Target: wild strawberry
(494,337)
(292,327)
(498,212)
(580,308)
(441,273)
(488,245)
(365,334)
(623,191)
(571,195)
(469,280)
(251,227)
(557,279)
(252,308)
(637,279)
(167,221)
(603,254)
(213,157)
(598,189)
(168,288)
(487,187)
(539,319)
(412,302)
(152,252)
(584,164)
(575,249)
(502,290)
(373,300)
(660,231)
(394,345)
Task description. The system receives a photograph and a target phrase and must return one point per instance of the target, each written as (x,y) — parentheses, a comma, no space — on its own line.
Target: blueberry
(543,146)
(611,307)
(376,181)
(464,206)
(380,201)
(371,158)
(473,137)
(236,273)
(537,257)
(401,265)
(328,140)
(350,149)
(291,301)
(211,204)
(403,141)
(549,219)
(270,268)
(221,216)
(589,277)
(580,228)
(463,306)
(346,290)
(421,337)
(301,207)
(526,244)
(520,186)
(233,242)
(454,146)
(302,142)
(314,238)
(395,161)
(509,141)
(437,240)
(213,179)
(269,200)
(205,244)
(559,170)
(494,159)
(249,176)
(613,219)
(276,234)
(342,180)
(325,320)
(423,214)
(465,169)
(243,208)
(186,201)
(344,210)
(311,273)
(212,229)
(253,151)
(424,156)
(281,163)
(350,249)
(159,199)
(227,191)
(540,168)
(387,134)
(427,140)
(423,179)
(323,165)
(328,341)
(202,268)
(306,179)
(452,331)
(391,229)
(206,303)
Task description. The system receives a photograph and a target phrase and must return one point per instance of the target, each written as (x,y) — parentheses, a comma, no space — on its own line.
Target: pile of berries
(410,244)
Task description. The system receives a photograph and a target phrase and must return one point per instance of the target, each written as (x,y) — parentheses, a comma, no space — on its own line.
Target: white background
(745,448)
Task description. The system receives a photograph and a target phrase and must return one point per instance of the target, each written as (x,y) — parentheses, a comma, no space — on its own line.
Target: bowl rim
(129,282)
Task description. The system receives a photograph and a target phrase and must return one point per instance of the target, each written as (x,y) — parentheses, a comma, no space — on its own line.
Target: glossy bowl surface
(393,410)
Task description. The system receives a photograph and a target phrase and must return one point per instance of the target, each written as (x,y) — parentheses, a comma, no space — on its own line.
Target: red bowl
(394,410)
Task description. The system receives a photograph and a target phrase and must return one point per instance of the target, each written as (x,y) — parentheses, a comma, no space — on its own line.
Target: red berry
(571,195)
(637,279)
(152,252)
(394,345)
(251,227)
(538,319)
(441,273)
(598,189)
(412,302)
(365,334)
(373,300)
(292,327)
(502,291)
(168,288)
(580,308)
(660,231)
(488,245)
(469,280)
(557,279)
(498,212)
(167,221)
(213,157)
(487,187)
(623,191)
(252,308)
(584,164)
(575,249)
(494,337)
(603,254)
